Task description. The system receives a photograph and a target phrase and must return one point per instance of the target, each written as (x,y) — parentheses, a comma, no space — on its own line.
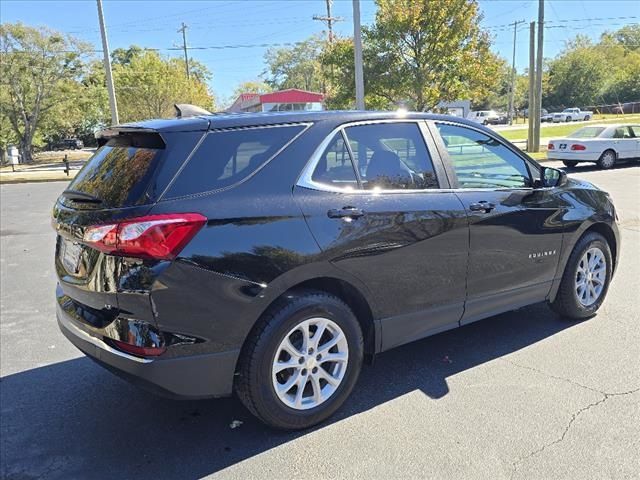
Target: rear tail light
(160,237)
(551,146)
(577,146)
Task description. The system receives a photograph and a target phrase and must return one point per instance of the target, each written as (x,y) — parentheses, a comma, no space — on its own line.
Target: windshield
(587,132)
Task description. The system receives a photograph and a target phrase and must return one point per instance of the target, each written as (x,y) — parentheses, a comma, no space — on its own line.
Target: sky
(235,31)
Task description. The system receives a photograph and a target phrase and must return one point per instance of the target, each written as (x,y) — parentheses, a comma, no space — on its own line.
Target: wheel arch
(345,291)
(607,232)
(601,228)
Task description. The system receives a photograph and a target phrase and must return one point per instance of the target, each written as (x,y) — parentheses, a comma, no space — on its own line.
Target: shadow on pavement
(75,420)
(592,167)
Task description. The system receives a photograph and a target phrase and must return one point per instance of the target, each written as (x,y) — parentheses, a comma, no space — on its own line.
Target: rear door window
(227,157)
(391,156)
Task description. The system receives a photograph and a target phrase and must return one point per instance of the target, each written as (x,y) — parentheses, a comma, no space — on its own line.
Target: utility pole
(183,29)
(513,73)
(531,112)
(329,19)
(357,40)
(113,105)
(536,129)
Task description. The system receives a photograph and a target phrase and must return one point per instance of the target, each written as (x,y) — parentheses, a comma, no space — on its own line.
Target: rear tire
(584,285)
(607,159)
(570,163)
(312,388)
(587,118)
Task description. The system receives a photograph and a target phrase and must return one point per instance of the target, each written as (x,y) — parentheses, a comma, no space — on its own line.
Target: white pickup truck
(572,115)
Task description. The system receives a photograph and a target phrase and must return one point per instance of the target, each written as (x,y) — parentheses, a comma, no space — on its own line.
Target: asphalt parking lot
(520,395)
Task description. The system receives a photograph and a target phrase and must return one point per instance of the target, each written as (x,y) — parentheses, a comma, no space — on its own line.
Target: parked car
(269,254)
(499,119)
(572,115)
(603,144)
(483,117)
(543,113)
(546,117)
(66,144)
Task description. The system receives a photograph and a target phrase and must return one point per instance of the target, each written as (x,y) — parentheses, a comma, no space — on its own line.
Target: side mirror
(551,177)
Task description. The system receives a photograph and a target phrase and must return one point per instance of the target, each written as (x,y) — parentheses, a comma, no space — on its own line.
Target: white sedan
(603,144)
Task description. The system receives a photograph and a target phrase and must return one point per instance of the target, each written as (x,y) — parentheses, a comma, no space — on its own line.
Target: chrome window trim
(305,179)
(306,126)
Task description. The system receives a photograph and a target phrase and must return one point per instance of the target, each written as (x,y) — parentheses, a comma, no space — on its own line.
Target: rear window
(587,132)
(119,172)
(226,157)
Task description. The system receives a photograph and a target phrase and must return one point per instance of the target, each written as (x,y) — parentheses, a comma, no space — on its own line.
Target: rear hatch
(122,180)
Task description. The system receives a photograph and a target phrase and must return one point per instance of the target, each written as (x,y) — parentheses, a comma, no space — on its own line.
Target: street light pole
(113,105)
(357,41)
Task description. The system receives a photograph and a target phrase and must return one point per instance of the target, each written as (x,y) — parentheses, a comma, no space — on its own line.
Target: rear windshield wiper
(81,197)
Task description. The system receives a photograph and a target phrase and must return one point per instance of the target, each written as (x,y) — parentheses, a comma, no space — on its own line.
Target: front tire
(586,278)
(607,159)
(301,362)
(568,119)
(570,163)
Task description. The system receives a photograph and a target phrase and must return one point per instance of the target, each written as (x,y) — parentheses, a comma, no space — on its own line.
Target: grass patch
(564,129)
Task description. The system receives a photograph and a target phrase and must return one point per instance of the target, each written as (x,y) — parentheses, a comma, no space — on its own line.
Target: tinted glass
(391,156)
(227,157)
(481,161)
(119,173)
(335,167)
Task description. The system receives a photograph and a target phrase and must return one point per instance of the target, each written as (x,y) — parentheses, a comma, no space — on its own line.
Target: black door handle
(345,212)
(482,206)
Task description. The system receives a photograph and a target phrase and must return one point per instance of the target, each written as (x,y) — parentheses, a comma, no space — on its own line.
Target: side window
(481,161)
(227,157)
(635,129)
(391,156)
(619,133)
(335,167)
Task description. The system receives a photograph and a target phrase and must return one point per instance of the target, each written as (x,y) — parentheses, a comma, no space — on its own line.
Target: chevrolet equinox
(269,254)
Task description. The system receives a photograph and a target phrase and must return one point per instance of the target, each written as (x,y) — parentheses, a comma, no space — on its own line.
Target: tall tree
(148,85)
(428,52)
(296,67)
(35,66)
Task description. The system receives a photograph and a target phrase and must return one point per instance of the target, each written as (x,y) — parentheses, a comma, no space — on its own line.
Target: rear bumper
(193,376)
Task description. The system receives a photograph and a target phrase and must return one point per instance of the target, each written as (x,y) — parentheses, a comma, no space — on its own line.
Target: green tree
(148,85)
(576,75)
(252,86)
(37,67)
(427,52)
(296,67)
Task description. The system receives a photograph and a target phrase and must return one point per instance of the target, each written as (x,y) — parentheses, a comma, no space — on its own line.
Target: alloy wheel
(591,276)
(310,363)
(608,159)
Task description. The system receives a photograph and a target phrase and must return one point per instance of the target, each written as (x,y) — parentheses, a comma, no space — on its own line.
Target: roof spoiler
(185,110)
(135,136)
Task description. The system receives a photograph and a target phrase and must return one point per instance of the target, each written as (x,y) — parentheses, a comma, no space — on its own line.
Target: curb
(33,180)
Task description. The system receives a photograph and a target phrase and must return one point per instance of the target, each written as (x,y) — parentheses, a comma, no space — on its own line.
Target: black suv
(66,144)
(269,254)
